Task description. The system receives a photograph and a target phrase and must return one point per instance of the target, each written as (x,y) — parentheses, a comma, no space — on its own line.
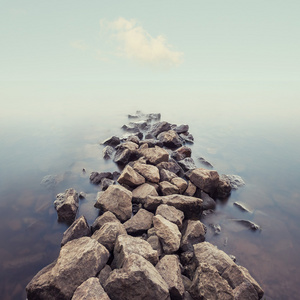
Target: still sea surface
(251,129)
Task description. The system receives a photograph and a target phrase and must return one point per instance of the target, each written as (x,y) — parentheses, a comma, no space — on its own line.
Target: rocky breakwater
(148,241)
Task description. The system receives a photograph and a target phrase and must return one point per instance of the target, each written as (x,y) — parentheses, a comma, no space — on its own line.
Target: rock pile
(148,242)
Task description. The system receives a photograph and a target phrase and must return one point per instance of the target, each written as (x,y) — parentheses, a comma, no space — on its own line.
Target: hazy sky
(150,40)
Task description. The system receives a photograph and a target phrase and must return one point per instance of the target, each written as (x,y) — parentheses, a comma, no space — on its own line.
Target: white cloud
(135,43)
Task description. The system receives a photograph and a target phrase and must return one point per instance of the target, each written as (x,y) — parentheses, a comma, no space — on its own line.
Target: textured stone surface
(171,214)
(151,173)
(223,188)
(101,220)
(166,175)
(168,188)
(117,200)
(245,291)
(142,191)
(140,222)
(112,141)
(159,127)
(187,164)
(104,274)
(154,155)
(155,243)
(130,177)
(190,190)
(107,152)
(96,177)
(180,183)
(170,139)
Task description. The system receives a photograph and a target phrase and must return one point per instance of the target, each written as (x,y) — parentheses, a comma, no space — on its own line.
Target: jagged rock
(78,260)
(105,218)
(208,284)
(223,188)
(187,138)
(181,128)
(170,139)
(104,274)
(138,279)
(193,232)
(127,245)
(168,234)
(140,222)
(191,206)
(171,214)
(187,164)
(169,269)
(249,224)
(235,181)
(130,177)
(90,289)
(142,191)
(208,202)
(151,143)
(66,205)
(190,190)
(127,145)
(151,231)
(78,229)
(166,175)
(149,172)
(108,152)
(205,162)
(117,200)
(168,188)
(133,139)
(171,166)
(154,155)
(242,207)
(108,234)
(112,141)
(180,183)
(245,291)
(206,180)
(124,155)
(105,183)
(96,177)
(159,127)
(155,243)
(181,153)
(142,124)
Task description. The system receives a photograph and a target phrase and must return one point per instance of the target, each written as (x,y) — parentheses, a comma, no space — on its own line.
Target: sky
(149,40)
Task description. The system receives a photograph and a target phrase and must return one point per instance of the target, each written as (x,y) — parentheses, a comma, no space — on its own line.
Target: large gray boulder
(117,200)
(170,139)
(151,173)
(78,229)
(130,177)
(140,222)
(138,279)
(169,269)
(126,245)
(154,155)
(171,214)
(66,205)
(168,234)
(78,260)
(91,289)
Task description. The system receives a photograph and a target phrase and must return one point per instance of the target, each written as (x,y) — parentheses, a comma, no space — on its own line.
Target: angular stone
(193,233)
(170,139)
(181,128)
(151,173)
(223,188)
(169,269)
(78,229)
(190,190)
(208,202)
(101,220)
(155,243)
(96,177)
(66,205)
(180,183)
(187,137)
(123,156)
(130,177)
(187,164)
(117,200)
(105,183)
(108,152)
(104,274)
(206,180)
(108,234)
(138,279)
(166,175)
(151,143)
(112,141)
(205,162)
(168,188)
(140,222)
(126,245)
(191,206)
(171,166)
(90,289)
(235,181)
(168,234)
(78,260)
(182,153)
(171,214)
(154,155)
(128,145)
(134,139)
(159,127)
(245,291)
(142,191)
(208,284)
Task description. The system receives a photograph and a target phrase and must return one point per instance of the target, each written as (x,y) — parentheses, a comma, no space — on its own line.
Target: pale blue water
(245,128)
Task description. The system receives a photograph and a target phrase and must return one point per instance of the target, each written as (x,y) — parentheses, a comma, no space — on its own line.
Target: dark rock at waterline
(159,127)
(236,181)
(187,138)
(108,152)
(170,139)
(96,177)
(181,128)
(130,128)
(208,202)
(205,162)
(187,164)
(105,183)
(224,188)
(181,153)
(66,205)
(112,141)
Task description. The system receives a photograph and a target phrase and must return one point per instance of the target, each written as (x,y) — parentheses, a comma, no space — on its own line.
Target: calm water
(250,129)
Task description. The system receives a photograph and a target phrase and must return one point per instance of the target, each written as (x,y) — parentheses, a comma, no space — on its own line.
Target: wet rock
(105,183)
(90,289)
(51,181)
(190,190)
(205,162)
(187,164)
(208,284)
(168,188)
(117,200)
(108,234)
(245,291)
(151,143)
(169,269)
(159,127)
(149,172)
(155,243)
(108,152)
(168,234)
(138,279)
(166,175)
(78,229)
(127,145)
(133,139)
(154,155)
(208,202)
(130,128)
(96,177)
(127,245)
(78,260)
(193,232)
(142,191)
(181,153)
(140,222)
(66,205)
(170,139)
(124,155)
(130,177)
(216,228)
(82,195)
(247,224)
(223,188)
(235,181)
(190,206)
(171,166)
(101,220)
(206,180)
(112,141)
(181,128)
(242,207)
(187,138)
(104,274)
(180,183)
(171,214)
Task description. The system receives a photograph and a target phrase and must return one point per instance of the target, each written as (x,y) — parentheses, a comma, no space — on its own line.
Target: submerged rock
(235,181)
(247,224)
(112,141)
(242,207)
